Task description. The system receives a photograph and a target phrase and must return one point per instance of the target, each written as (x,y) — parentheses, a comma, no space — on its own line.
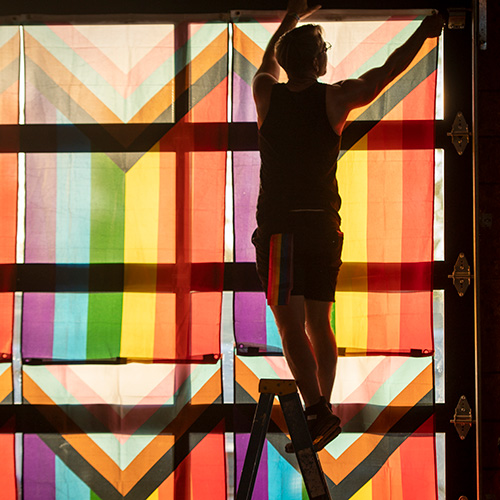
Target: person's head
(302,51)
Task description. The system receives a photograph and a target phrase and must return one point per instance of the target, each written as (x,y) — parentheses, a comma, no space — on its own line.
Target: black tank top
(299,151)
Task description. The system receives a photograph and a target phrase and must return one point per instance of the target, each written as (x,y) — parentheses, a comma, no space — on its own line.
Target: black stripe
(229,276)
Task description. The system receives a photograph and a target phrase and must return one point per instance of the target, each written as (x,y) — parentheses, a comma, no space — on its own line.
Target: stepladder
(307,458)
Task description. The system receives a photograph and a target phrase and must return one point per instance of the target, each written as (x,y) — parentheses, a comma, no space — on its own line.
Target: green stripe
(106,246)
(104,325)
(108,211)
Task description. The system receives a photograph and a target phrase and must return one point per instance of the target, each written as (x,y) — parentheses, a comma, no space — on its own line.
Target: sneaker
(323,426)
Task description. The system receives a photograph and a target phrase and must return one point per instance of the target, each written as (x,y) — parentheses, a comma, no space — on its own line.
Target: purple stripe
(40,110)
(260,490)
(38,325)
(41,205)
(250,318)
(246,166)
(38,470)
(243,106)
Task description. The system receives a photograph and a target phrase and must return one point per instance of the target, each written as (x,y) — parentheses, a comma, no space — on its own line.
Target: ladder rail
(255,445)
(310,467)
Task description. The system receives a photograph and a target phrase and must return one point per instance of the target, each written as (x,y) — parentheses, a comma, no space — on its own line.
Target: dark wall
(189,6)
(489,251)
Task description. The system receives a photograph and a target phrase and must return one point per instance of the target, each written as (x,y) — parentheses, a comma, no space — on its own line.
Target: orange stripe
(5,383)
(9,52)
(275,269)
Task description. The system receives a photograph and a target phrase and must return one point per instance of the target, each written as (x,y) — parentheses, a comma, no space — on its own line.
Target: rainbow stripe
(280,280)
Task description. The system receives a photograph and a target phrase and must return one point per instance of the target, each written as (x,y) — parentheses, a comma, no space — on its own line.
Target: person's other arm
(269,71)
(361,91)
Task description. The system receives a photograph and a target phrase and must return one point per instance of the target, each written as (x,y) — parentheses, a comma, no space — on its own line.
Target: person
(298,239)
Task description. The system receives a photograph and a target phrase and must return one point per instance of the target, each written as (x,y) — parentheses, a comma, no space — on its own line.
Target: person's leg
(322,338)
(297,348)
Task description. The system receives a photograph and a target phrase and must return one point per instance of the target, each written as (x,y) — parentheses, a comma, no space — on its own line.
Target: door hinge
(461,275)
(462,419)
(459,133)
(456,18)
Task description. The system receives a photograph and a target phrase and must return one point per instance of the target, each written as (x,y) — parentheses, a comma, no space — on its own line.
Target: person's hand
(301,8)
(433,25)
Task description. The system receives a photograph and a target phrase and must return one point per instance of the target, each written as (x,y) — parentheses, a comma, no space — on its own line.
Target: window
(132,162)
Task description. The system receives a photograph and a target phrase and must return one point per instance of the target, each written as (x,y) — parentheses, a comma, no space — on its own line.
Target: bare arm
(361,91)
(269,71)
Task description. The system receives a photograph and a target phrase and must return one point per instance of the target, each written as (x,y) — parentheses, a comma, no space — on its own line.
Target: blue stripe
(73,208)
(68,484)
(284,481)
(70,326)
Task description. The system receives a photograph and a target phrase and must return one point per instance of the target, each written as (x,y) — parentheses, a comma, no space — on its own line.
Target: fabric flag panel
(9,106)
(148,431)
(385,175)
(386,447)
(8,230)
(147,211)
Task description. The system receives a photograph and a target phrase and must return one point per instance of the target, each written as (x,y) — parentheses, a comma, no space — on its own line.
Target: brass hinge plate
(459,133)
(462,419)
(461,275)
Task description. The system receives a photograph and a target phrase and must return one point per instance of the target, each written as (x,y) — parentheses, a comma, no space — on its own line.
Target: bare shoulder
(262,86)
(337,107)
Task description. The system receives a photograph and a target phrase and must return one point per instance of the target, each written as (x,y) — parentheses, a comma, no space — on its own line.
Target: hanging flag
(386,181)
(144,218)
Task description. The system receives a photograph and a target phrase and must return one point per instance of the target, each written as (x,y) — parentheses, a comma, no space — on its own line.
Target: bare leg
(297,348)
(323,342)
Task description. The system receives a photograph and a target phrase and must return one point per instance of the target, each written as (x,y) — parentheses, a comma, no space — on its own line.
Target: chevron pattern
(385,404)
(9,74)
(131,437)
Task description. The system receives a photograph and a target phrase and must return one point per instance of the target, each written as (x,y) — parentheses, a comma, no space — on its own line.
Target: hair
(297,49)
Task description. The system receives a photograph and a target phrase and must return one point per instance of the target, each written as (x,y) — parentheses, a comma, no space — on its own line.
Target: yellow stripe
(352,175)
(365,493)
(141,246)
(351,308)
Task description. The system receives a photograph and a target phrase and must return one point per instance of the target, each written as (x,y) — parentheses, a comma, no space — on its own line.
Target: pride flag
(146,215)
(386,181)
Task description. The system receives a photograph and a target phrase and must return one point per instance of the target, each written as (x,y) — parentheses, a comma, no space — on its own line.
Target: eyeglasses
(326,47)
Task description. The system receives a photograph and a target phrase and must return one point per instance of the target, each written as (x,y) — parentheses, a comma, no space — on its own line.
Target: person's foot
(323,426)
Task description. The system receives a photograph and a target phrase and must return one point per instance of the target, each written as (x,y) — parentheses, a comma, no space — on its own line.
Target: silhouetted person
(300,125)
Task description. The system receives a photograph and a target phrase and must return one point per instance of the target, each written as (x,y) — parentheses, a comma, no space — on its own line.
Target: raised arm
(269,71)
(358,92)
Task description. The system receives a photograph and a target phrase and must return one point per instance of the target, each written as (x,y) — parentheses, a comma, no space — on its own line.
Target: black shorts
(316,256)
